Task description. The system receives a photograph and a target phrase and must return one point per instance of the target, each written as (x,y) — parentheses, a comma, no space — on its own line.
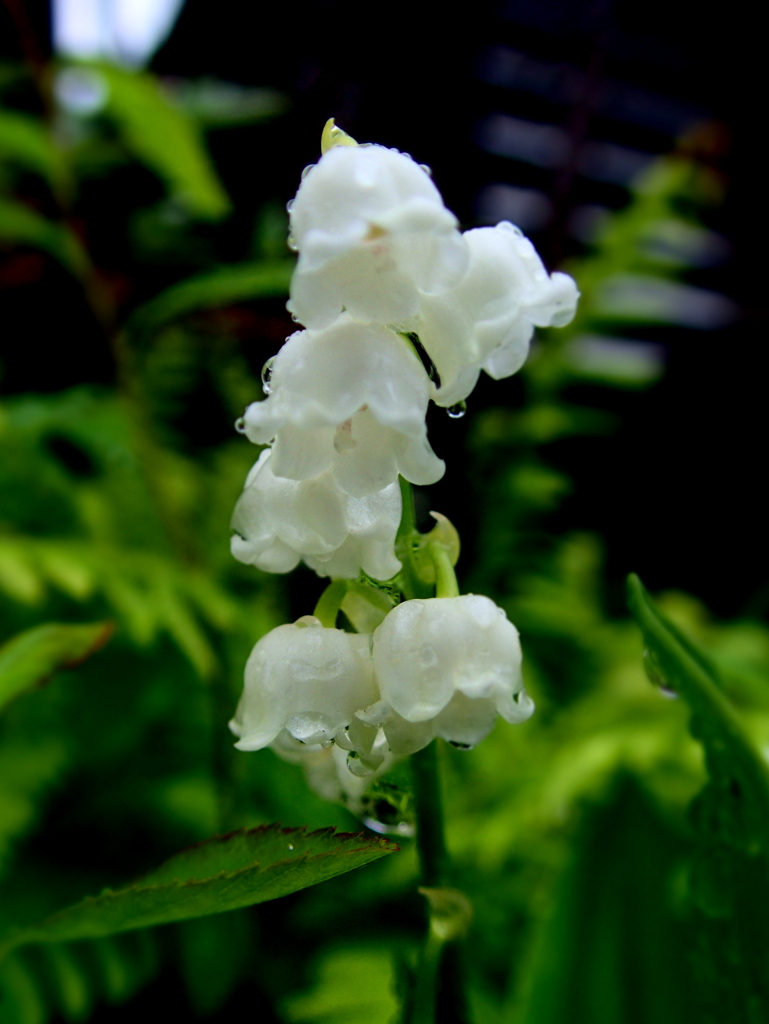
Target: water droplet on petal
(289,205)
(456,412)
(401,828)
(428,170)
(306,170)
(240,425)
(267,376)
(291,242)
(461,746)
(295,318)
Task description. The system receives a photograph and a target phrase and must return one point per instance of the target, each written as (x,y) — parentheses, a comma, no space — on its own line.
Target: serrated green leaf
(225,873)
(219,287)
(165,138)
(25,141)
(19,223)
(30,658)
(728,881)
(683,668)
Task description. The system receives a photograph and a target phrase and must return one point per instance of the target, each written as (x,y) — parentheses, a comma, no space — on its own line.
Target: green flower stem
(330,602)
(407,535)
(445,578)
(433,861)
(423,1004)
(431,845)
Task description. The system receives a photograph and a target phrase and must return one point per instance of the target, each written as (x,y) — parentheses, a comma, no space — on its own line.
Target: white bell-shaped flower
(372,234)
(446,667)
(350,399)
(487,320)
(308,680)
(277,522)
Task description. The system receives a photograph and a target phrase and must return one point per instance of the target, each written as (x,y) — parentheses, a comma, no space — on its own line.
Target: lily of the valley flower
(446,667)
(487,320)
(277,522)
(373,235)
(350,400)
(308,680)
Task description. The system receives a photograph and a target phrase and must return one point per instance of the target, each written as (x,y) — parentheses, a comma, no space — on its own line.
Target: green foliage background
(614,847)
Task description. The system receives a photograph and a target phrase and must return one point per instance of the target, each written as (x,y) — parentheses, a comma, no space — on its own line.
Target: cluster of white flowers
(442,666)
(381,260)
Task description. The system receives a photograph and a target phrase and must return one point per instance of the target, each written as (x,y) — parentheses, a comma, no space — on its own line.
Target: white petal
(368,463)
(409,662)
(487,319)
(417,462)
(302,452)
(372,232)
(306,679)
(277,521)
(427,652)
(465,722)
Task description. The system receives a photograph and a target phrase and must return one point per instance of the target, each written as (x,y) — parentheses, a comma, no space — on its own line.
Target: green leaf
(30,658)
(225,873)
(219,287)
(728,882)
(60,980)
(611,950)
(732,760)
(25,141)
(165,138)
(20,224)
(352,985)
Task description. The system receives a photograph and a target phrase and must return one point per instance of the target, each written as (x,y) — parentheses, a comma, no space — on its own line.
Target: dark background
(677,494)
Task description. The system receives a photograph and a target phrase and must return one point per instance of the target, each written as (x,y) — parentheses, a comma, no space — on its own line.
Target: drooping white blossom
(308,680)
(486,321)
(446,667)
(350,399)
(373,235)
(278,521)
